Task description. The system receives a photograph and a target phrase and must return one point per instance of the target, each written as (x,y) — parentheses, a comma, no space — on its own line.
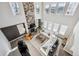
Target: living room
(46,28)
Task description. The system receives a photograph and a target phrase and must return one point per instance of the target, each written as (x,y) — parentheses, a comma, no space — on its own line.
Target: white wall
(4,45)
(6,16)
(70,21)
(8,19)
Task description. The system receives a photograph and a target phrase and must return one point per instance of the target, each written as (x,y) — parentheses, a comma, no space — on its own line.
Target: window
(61,7)
(71,8)
(47,8)
(53,7)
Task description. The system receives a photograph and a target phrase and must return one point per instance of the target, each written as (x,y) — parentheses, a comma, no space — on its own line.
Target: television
(32,25)
(13,32)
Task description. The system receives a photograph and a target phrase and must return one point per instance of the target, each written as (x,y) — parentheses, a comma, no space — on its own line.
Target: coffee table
(41,40)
